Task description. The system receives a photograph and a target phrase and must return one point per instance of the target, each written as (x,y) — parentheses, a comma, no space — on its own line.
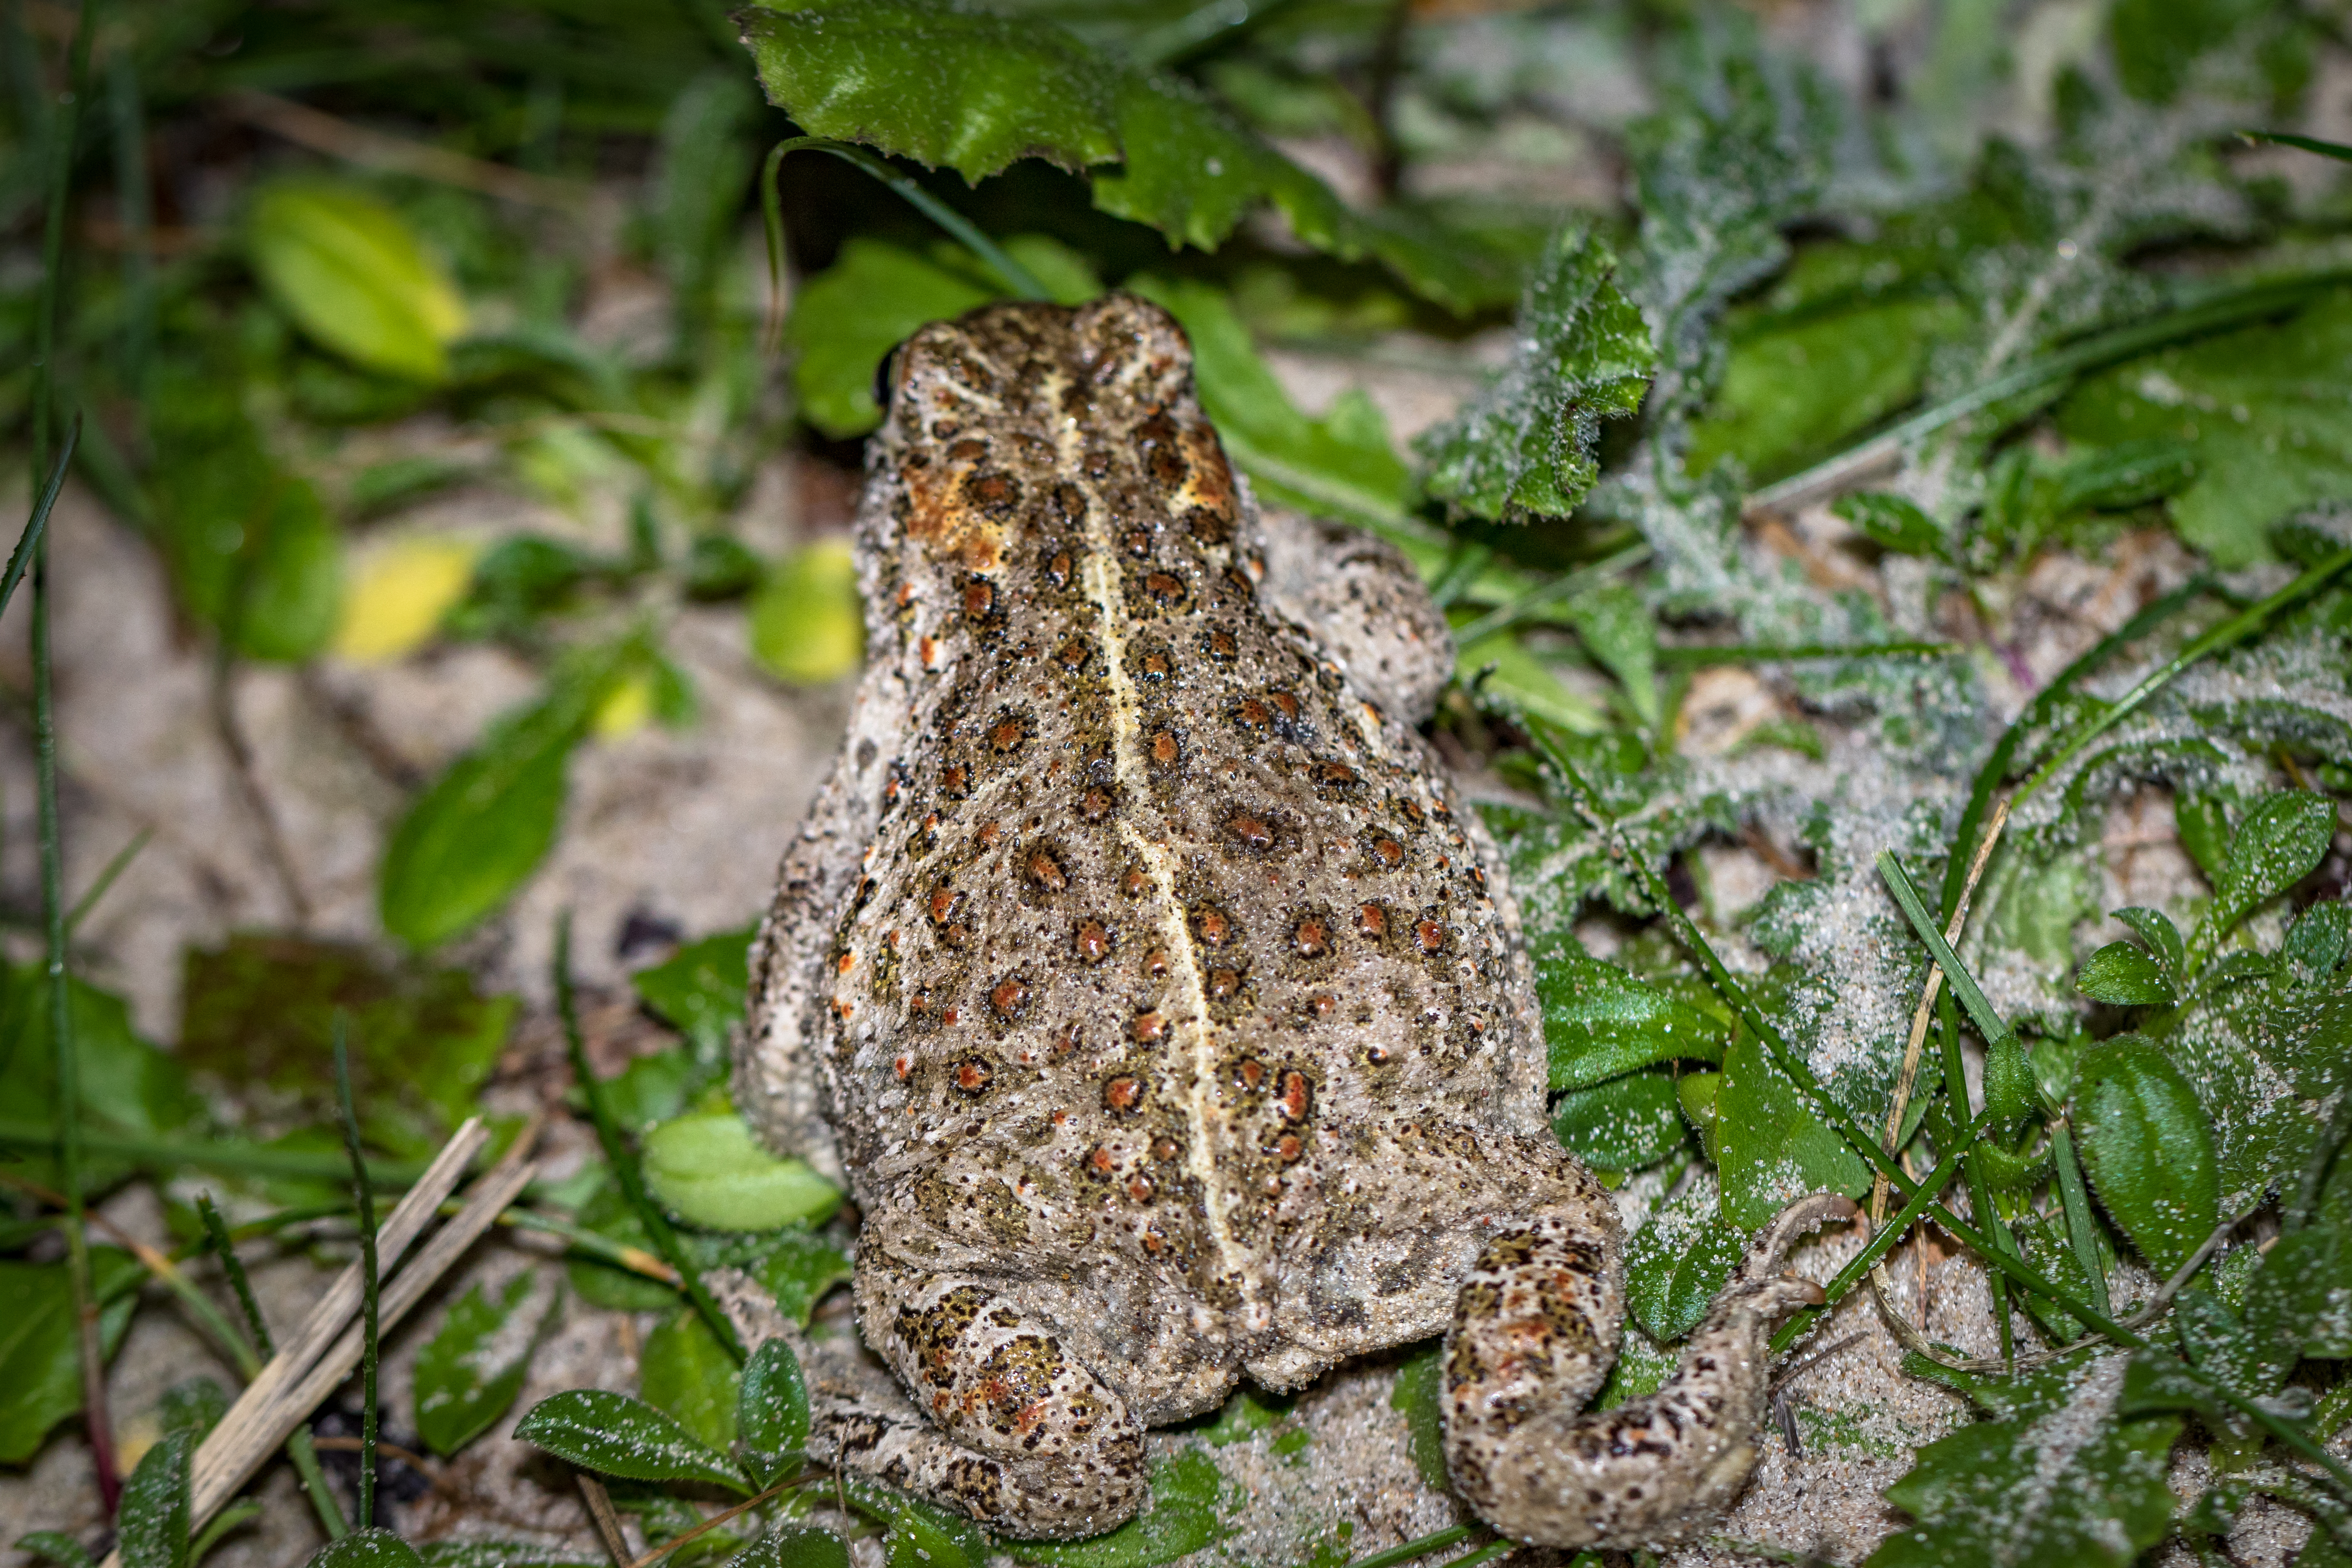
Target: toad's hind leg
(1024,1437)
(1533,1335)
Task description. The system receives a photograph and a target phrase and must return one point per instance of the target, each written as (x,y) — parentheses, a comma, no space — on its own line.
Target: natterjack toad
(1142,973)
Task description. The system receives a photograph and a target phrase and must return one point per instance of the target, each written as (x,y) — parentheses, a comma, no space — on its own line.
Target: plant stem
(229,1154)
(363,1192)
(624,1159)
(303,1450)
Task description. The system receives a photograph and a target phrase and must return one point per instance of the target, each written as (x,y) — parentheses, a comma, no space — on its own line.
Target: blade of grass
(1023,283)
(624,1159)
(2236,630)
(371,1289)
(1995,771)
(2335,150)
(1690,655)
(1915,910)
(114,868)
(1801,1073)
(2074,1201)
(1437,1541)
(232,1266)
(229,1154)
(1947,1032)
(1880,1244)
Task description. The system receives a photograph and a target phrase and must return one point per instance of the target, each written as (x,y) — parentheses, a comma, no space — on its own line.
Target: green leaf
(2164,943)
(2010,1094)
(793,1546)
(1771,1146)
(849,316)
(1026,88)
(2300,1299)
(351,273)
(252,549)
(1527,444)
(193,1406)
(1618,629)
(921,1534)
(129,1088)
(2074,1486)
(772,1412)
(1180,1519)
(40,1347)
(709,1170)
(256,1010)
(1681,1257)
(2124,976)
(617,1436)
(1600,1022)
(1502,665)
(2147,1149)
(1341,465)
(154,1521)
(797,1266)
(55,1547)
(1626,1124)
(688,1376)
(2266,411)
(1419,1394)
(483,826)
(1892,523)
(495,1555)
(371,1548)
(699,989)
(2276,846)
(460,1391)
(808,626)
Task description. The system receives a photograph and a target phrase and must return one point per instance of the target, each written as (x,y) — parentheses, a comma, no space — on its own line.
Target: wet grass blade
(624,1159)
(1964,983)
(371,1287)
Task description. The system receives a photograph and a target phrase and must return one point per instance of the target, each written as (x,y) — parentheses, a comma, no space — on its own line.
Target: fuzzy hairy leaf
(1600,1022)
(1679,1259)
(793,1546)
(2276,846)
(458,1394)
(154,1517)
(2147,1149)
(965,89)
(371,1548)
(1625,1124)
(2068,1486)
(1525,445)
(1771,1145)
(2124,976)
(773,1412)
(617,1436)
(709,1170)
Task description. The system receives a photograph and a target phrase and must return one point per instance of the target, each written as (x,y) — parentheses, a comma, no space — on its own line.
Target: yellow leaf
(808,627)
(625,708)
(353,276)
(399,594)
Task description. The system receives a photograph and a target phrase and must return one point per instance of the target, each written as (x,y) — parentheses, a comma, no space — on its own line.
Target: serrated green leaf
(1892,523)
(2079,1486)
(961,88)
(1684,1253)
(1526,445)
(688,1376)
(772,1412)
(793,1546)
(40,1347)
(2124,976)
(709,1170)
(154,1521)
(808,625)
(458,1394)
(351,271)
(617,1436)
(1626,1124)
(1600,1022)
(1182,1519)
(2266,413)
(2282,838)
(2147,1149)
(1419,1394)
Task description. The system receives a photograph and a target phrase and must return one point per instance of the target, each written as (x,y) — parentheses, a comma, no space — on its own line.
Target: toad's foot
(1526,1349)
(1023,1436)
